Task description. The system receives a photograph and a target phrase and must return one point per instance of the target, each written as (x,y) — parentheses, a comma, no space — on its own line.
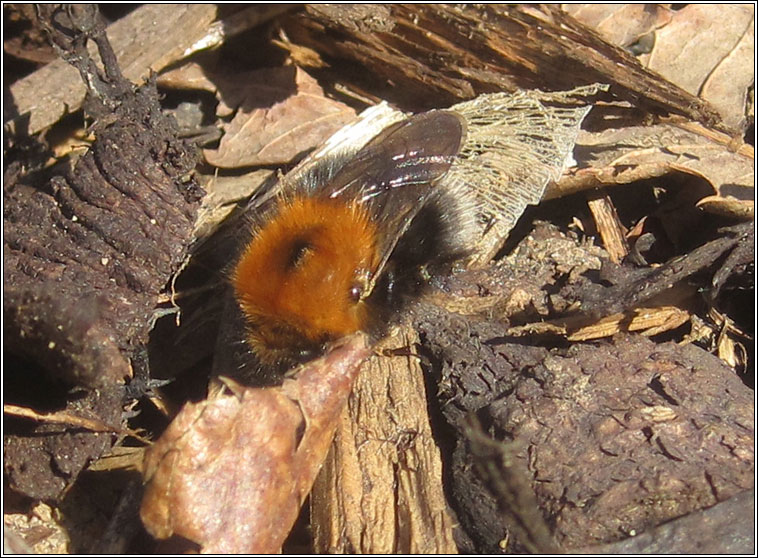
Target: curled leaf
(230,473)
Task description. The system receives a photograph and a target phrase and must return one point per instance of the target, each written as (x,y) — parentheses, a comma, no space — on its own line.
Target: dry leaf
(515,145)
(728,206)
(282,112)
(145,41)
(189,75)
(620,24)
(708,50)
(223,193)
(230,473)
(621,156)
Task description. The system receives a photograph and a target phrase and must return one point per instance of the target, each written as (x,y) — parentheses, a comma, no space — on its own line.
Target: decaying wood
(381,488)
(86,256)
(608,226)
(617,437)
(496,465)
(657,410)
(90,259)
(440,54)
(629,291)
(726,528)
(147,39)
(43,460)
(645,300)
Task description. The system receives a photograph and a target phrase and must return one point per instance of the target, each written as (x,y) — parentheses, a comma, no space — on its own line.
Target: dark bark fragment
(726,528)
(617,437)
(613,437)
(42,461)
(633,288)
(86,257)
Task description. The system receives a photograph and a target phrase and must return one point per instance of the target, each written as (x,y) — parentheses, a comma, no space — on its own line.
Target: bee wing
(396,171)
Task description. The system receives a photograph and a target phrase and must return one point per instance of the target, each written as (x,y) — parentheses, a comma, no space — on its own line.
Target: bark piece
(609,226)
(381,488)
(630,290)
(617,437)
(43,460)
(726,528)
(443,53)
(146,40)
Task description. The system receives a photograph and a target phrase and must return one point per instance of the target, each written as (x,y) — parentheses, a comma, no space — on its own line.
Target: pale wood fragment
(380,490)
(609,226)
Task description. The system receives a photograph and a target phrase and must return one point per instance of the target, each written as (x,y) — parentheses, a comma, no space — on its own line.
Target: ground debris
(86,257)
(613,437)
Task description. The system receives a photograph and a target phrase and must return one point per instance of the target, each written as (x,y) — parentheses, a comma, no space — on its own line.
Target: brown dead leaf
(620,24)
(622,156)
(281,112)
(708,50)
(189,75)
(230,473)
(728,206)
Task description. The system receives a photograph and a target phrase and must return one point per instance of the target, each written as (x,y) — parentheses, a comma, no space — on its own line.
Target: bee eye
(306,354)
(355,293)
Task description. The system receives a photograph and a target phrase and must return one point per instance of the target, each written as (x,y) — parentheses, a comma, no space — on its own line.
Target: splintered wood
(381,487)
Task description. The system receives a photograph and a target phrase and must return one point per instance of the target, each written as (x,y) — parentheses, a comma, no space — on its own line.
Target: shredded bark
(446,53)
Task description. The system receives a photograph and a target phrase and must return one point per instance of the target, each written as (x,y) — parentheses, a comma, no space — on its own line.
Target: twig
(66,418)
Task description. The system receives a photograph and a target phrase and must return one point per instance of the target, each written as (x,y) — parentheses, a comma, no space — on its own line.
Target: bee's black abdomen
(429,247)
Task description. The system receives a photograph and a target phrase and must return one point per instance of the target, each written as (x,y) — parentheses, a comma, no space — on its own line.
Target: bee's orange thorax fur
(295,276)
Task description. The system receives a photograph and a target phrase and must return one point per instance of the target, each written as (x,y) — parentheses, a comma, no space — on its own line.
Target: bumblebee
(347,246)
